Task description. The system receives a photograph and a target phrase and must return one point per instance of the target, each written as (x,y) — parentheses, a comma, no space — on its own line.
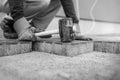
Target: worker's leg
(42,20)
(40,11)
(31,7)
(34,7)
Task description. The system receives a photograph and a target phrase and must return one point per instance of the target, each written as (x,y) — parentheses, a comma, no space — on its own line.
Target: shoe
(27,35)
(24,30)
(8,30)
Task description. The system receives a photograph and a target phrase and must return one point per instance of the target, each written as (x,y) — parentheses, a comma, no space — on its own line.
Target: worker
(31,16)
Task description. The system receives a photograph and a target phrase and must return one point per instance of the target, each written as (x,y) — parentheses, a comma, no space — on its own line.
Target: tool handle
(47,33)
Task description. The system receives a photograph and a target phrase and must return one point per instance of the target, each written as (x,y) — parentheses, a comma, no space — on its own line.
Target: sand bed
(44,66)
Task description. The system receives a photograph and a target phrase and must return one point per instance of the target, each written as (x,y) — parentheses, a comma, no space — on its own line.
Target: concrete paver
(106,43)
(13,47)
(54,46)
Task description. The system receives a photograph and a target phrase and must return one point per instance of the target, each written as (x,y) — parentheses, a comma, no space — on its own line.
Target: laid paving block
(44,66)
(55,46)
(107,43)
(12,47)
(107,46)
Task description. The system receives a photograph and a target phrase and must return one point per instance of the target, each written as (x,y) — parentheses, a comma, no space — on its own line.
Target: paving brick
(54,46)
(106,46)
(107,43)
(12,47)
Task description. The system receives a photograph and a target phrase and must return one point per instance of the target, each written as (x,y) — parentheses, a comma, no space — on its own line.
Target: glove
(8,30)
(76,28)
(78,36)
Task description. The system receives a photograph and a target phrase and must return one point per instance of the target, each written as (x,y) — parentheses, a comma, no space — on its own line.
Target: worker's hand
(76,28)
(78,36)
(7,26)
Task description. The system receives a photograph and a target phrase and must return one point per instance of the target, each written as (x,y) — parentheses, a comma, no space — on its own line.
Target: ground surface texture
(44,66)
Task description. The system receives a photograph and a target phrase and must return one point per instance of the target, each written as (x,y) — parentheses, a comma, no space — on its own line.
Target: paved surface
(44,66)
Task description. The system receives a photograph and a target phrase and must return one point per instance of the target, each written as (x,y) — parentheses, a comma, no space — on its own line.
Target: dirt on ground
(44,66)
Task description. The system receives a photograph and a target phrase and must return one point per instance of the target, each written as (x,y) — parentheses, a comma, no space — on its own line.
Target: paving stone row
(54,46)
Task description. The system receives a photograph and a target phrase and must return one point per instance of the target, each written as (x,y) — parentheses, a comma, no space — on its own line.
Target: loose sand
(44,66)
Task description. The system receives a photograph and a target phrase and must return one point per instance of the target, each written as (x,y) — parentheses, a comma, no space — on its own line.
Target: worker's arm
(69,10)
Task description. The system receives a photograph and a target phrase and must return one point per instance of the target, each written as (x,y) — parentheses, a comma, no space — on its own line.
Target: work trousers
(41,12)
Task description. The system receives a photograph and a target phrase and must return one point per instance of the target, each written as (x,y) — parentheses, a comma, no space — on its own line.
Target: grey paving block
(107,46)
(12,47)
(54,46)
(107,43)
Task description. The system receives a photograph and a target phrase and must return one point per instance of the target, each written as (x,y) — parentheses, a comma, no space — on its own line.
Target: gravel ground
(44,66)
